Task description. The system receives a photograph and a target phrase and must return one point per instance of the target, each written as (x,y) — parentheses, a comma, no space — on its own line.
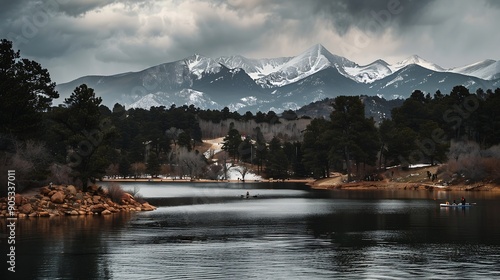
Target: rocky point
(57,200)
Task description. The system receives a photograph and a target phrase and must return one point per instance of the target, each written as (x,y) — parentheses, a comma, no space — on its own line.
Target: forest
(81,141)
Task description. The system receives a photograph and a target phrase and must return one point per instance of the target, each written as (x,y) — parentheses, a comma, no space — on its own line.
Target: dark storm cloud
(112,36)
(494,3)
(399,14)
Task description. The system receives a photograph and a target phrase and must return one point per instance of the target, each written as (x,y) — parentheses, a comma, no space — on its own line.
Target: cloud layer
(75,38)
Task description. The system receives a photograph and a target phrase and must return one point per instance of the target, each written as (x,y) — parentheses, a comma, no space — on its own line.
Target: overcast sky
(73,38)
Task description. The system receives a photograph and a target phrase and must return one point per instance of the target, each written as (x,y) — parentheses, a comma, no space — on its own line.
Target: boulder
(96,199)
(25,209)
(71,189)
(148,207)
(73,213)
(97,208)
(127,198)
(58,197)
(18,199)
(106,212)
(44,190)
(79,196)
(44,214)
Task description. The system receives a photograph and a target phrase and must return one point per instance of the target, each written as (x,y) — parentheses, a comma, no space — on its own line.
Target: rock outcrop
(57,200)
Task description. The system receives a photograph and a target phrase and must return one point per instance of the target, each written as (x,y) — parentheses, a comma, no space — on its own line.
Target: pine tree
(26,91)
(86,133)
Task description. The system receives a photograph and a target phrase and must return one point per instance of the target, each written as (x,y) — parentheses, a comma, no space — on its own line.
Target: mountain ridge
(279,84)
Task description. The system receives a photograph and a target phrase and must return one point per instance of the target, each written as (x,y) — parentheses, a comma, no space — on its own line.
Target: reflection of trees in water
(66,247)
(354,235)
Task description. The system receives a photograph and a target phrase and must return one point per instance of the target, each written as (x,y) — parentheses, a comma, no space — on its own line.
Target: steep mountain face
(309,62)
(255,68)
(199,65)
(369,73)
(487,69)
(278,84)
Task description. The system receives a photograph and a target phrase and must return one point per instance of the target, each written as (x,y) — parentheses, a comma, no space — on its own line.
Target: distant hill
(377,107)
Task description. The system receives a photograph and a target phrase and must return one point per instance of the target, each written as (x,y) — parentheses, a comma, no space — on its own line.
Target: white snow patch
(234,174)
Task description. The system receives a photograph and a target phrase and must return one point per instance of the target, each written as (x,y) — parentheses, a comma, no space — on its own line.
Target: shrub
(115,192)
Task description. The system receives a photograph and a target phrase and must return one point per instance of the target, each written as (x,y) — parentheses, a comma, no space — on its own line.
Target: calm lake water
(207,231)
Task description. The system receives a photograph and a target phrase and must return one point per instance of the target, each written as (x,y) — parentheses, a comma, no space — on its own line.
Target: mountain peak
(318,50)
(417,60)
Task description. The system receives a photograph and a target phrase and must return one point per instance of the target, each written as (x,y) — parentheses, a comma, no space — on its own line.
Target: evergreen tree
(232,141)
(315,147)
(354,137)
(86,133)
(277,161)
(153,166)
(26,91)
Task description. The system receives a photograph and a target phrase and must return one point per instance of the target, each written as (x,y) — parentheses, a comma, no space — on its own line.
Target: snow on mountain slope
(309,62)
(255,68)
(415,59)
(487,69)
(199,65)
(369,73)
(185,96)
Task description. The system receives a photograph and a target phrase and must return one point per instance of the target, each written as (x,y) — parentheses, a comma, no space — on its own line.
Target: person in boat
(454,202)
(248,194)
(463,200)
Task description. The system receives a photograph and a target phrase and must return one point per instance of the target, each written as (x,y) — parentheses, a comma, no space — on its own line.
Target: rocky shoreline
(59,200)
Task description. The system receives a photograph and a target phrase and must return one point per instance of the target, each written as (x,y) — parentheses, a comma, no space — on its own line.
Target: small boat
(456,204)
(249,196)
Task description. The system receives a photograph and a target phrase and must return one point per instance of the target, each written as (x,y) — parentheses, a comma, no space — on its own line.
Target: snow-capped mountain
(185,96)
(487,69)
(199,65)
(255,68)
(278,84)
(369,73)
(307,63)
(415,60)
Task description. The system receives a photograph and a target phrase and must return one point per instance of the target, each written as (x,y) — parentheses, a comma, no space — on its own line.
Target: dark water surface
(207,231)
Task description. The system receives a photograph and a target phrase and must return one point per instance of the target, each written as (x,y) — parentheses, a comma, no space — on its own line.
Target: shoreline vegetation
(60,200)
(397,179)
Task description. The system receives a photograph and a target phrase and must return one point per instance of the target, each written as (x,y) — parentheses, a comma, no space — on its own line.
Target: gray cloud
(73,38)
(363,14)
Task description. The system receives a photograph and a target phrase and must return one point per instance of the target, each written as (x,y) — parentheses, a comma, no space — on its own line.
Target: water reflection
(65,247)
(283,234)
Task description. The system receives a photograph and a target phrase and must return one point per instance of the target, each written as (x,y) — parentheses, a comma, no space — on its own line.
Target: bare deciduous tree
(138,168)
(60,174)
(190,163)
(243,170)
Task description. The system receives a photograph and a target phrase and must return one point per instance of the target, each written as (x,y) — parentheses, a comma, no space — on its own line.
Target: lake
(208,231)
